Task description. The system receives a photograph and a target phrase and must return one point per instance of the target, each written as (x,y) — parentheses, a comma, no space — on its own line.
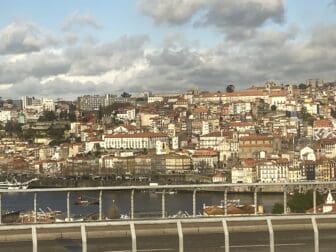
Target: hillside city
(269,133)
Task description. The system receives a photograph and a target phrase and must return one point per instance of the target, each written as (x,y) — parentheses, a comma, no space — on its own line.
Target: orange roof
(323,123)
(200,110)
(256,138)
(327,141)
(205,152)
(249,162)
(277,93)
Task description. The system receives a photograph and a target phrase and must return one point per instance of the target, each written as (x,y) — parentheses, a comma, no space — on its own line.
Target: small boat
(73,218)
(170,192)
(11,217)
(42,216)
(81,201)
(233,208)
(15,185)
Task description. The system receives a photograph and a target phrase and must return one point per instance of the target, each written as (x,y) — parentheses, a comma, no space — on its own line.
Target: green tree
(63,115)
(48,116)
(29,134)
(306,117)
(13,128)
(302,86)
(278,208)
(55,132)
(273,107)
(333,113)
(72,116)
(230,88)
(301,202)
(125,95)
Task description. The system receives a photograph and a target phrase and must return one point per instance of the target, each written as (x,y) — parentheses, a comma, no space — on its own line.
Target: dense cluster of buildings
(272,133)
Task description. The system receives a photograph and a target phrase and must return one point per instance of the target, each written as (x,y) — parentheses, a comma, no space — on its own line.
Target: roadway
(249,242)
(294,236)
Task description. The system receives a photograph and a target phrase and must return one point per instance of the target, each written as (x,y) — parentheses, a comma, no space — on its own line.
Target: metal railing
(178,224)
(194,188)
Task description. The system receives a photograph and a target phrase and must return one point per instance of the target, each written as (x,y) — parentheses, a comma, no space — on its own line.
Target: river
(143,201)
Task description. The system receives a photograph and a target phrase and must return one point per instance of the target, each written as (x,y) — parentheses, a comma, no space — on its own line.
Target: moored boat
(15,185)
(232,208)
(84,201)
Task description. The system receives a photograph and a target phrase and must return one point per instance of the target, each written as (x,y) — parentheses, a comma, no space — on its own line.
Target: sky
(68,48)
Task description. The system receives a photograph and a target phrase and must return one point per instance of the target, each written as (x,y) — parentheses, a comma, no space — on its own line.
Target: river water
(143,201)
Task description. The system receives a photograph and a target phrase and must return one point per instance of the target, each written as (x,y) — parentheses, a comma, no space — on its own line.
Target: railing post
(68,206)
(225,201)
(163,202)
(314,200)
(132,204)
(271,234)
(194,203)
(0,208)
(100,205)
(226,236)
(34,238)
(84,238)
(35,207)
(316,234)
(133,234)
(285,201)
(255,200)
(180,235)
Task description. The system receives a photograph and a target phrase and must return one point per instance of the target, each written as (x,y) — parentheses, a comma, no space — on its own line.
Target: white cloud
(236,19)
(171,11)
(18,37)
(130,63)
(77,19)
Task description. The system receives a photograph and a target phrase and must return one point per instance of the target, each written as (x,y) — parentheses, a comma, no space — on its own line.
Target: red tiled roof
(323,123)
(205,152)
(249,162)
(200,110)
(277,93)
(327,141)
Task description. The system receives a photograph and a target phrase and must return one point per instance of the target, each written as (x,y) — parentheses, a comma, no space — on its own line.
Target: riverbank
(76,182)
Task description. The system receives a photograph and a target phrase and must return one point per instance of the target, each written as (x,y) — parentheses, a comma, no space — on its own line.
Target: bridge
(179,234)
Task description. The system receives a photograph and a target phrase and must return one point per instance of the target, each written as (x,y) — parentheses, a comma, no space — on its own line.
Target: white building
(279,100)
(245,173)
(152,99)
(211,140)
(5,115)
(175,143)
(126,114)
(26,101)
(307,154)
(205,158)
(273,171)
(48,104)
(205,128)
(145,140)
(171,130)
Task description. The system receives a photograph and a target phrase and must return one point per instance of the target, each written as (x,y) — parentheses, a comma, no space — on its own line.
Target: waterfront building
(146,140)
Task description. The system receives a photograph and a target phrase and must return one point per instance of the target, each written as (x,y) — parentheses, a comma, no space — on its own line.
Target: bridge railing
(179,224)
(194,188)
